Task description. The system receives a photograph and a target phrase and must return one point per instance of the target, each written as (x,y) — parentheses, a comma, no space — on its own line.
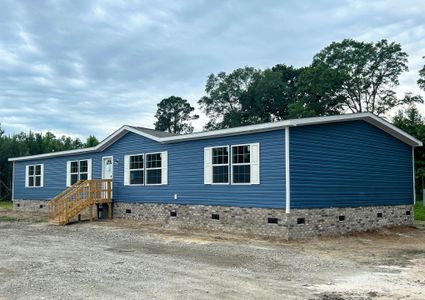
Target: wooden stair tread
(83,194)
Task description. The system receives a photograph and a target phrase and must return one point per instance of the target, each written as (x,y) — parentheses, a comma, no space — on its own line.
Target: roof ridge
(158,133)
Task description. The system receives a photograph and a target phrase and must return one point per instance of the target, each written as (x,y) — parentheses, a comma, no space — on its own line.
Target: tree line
(23,144)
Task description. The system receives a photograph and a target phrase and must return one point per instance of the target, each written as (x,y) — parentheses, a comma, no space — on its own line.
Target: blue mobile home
(291,179)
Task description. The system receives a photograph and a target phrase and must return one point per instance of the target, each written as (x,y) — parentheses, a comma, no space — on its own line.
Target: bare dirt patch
(110,260)
(9,215)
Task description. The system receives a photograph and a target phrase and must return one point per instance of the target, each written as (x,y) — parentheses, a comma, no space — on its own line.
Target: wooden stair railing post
(65,203)
(109,185)
(91,213)
(84,194)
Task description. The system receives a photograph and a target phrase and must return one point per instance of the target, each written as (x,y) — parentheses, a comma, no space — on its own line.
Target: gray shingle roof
(153,132)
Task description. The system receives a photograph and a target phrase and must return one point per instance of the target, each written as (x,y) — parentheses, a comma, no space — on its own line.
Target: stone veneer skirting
(300,223)
(31,205)
(41,206)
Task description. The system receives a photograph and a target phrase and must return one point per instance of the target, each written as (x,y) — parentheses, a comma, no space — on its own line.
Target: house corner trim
(287,173)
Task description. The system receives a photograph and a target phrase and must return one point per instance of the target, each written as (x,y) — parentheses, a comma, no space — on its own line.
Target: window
(145,169)
(78,170)
(241,167)
(220,165)
(153,168)
(137,169)
(34,175)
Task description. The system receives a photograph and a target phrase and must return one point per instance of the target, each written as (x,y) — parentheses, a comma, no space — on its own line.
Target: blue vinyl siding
(342,164)
(185,173)
(348,164)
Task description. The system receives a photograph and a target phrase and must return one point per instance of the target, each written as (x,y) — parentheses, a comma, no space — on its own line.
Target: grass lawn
(419,211)
(6,204)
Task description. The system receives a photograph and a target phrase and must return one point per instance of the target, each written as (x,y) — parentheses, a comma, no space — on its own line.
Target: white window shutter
(42,175)
(164,164)
(126,169)
(68,173)
(208,165)
(89,169)
(27,173)
(255,163)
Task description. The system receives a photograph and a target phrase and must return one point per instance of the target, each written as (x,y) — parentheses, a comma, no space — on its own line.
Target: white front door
(107,167)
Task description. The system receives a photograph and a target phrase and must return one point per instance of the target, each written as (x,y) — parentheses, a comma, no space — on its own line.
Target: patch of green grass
(6,204)
(419,211)
(8,219)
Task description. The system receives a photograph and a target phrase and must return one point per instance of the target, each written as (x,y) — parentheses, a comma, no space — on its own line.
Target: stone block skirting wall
(333,221)
(300,223)
(31,205)
(41,206)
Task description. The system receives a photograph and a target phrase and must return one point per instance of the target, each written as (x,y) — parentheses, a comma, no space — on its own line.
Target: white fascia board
(121,132)
(227,132)
(53,154)
(146,135)
(368,117)
(101,146)
(395,131)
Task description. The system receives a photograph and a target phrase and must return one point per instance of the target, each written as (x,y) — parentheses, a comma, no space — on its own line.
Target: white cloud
(86,67)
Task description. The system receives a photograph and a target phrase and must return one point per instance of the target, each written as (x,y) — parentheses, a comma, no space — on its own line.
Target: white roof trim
(368,117)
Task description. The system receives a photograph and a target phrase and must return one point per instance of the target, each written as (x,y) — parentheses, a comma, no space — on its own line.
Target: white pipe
(287,173)
(414,178)
(13,181)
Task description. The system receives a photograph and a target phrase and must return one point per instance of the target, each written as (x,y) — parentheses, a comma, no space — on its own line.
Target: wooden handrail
(64,192)
(82,194)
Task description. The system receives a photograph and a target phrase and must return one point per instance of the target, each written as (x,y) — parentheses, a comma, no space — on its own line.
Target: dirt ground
(125,260)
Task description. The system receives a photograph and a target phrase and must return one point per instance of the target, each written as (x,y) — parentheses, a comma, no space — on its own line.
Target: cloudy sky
(87,67)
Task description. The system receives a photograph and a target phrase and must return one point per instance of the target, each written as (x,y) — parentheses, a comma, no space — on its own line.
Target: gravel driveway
(118,260)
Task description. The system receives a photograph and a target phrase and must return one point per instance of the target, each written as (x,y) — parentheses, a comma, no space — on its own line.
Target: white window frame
(163,168)
(139,169)
(156,168)
(240,164)
(78,173)
(73,173)
(27,176)
(254,164)
(221,165)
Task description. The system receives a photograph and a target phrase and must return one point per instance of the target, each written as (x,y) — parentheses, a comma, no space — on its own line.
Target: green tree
(369,73)
(421,80)
(77,144)
(270,95)
(411,121)
(30,143)
(317,93)
(91,142)
(222,104)
(174,115)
